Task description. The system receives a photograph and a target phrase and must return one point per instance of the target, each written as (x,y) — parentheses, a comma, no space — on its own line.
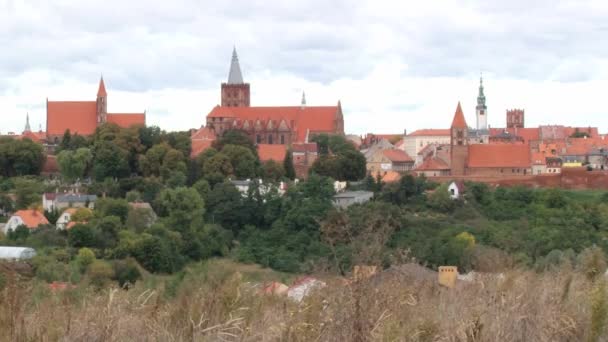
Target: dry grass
(217,304)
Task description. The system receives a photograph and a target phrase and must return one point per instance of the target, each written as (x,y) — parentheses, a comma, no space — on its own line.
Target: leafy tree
(112,207)
(235,137)
(150,136)
(126,272)
(271,170)
(219,164)
(182,208)
(180,141)
(290,171)
(28,191)
(225,207)
(100,273)
(441,199)
(243,161)
(84,258)
(202,187)
(20,157)
(73,164)
(83,235)
(109,161)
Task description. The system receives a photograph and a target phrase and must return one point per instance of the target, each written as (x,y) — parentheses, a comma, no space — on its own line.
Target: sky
(394,65)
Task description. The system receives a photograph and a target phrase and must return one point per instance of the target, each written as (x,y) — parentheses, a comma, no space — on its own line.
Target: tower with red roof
(458,141)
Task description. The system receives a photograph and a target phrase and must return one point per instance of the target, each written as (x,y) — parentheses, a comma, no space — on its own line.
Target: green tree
(182,208)
(235,137)
(271,170)
(20,157)
(243,161)
(73,164)
(112,207)
(290,171)
(109,161)
(28,191)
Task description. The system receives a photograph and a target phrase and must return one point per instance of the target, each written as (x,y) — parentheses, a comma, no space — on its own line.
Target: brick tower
(235,93)
(102,102)
(515,118)
(458,141)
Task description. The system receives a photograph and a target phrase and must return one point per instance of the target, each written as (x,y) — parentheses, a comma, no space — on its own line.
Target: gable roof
(397,156)
(102,88)
(499,155)
(32,218)
(433,164)
(272,152)
(77,116)
(459,121)
(430,132)
(303,120)
(126,120)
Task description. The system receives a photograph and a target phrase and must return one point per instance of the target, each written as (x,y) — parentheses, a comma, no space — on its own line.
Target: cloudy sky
(395,65)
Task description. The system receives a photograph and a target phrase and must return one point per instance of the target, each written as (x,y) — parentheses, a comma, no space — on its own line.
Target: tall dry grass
(220,305)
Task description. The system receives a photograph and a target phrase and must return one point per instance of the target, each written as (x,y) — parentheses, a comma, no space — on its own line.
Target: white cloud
(394,64)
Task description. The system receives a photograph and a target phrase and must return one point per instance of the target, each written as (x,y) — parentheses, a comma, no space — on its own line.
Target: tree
(73,164)
(20,157)
(173,161)
(243,161)
(109,161)
(150,136)
(235,137)
(180,141)
(290,171)
(182,208)
(112,207)
(271,170)
(219,164)
(28,191)
(83,235)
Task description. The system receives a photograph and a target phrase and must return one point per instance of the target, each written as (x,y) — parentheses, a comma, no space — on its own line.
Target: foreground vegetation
(218,301)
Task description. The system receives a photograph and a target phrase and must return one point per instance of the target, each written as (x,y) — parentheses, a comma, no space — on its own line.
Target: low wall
(570,178)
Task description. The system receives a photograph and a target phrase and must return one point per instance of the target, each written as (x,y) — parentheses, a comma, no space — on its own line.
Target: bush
(50,270)
(100,273)
(85,258)
(126,272)
(592,262)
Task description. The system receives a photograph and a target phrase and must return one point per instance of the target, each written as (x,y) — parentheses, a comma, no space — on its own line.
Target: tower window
(282,139)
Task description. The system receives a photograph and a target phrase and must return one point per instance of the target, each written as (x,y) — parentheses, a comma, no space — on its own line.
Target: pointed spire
(102,88)
(481,85)
(303,99)
(459,121)
(27,123)
(235,76)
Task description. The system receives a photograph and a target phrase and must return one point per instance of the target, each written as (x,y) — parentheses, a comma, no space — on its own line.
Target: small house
(30,218)
(456,189)
(58,201)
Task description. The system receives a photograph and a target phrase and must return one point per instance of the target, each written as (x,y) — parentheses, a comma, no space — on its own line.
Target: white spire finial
(27,123)
(303,100)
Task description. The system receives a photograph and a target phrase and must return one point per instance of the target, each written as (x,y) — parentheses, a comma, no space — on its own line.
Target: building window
(282,139)
(258,139)
(270,138)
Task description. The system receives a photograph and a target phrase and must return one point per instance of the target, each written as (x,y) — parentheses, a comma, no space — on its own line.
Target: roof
(71,198)
(577,150)
(397,156)
(50,196)
(102,88)
(387,176)
(199,146)
(351,194)
(70,211)
(433,132)
(303,120)
(202,139)
(528,134)
(16,252)
(77,116)
(272,152)
(459,121)
(32,218)
(126,120)
(433,164)
(234,75)
(539,158)
(499,155)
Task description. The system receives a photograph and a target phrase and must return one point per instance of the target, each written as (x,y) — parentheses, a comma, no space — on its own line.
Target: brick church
(83,117)
(284,125)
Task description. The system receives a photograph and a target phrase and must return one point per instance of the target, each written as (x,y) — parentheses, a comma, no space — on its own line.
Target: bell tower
(102,103)
(235,92)
(481,110)
(459,145)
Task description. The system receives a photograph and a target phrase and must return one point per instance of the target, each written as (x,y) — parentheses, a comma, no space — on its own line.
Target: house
(57,201)
(243,186)
(433,167)
(456,189)
(65,219)
(303,156)
(417,140)
(348,198)
(389,160)
(30,218)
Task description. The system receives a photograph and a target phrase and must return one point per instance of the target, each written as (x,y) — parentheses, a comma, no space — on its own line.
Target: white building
(57,201)
(16,253)
(416,141)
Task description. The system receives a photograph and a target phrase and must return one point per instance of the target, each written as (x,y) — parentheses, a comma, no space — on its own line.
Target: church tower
(458,140)
(102,102)
(481,110)
(27,123)
(235,93)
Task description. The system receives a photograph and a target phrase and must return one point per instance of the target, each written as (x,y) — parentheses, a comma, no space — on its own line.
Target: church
(83,117)
(284,125)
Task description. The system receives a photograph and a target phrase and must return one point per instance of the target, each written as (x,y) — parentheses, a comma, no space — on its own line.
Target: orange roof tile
(430,132)
(126,120)
(499,155)
(459,121)
(199,146)
(577,150)
(539,158)
(32,218)
(272,152)
(397,156)
(302,119)
(528,134)
(433,164)
(77,116)
(387,176)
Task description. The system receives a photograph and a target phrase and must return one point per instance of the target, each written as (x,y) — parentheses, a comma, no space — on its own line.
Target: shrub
(100,273)
(52,270)
(85,258)
(592,262)
(126,271)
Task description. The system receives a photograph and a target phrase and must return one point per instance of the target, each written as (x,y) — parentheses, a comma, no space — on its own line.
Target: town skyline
(389,76)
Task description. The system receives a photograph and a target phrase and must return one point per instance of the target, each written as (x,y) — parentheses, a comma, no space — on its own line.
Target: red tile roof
(272,152)
(301,119)
(397,156)
(199,146)
(387,176)
(77,116)
(126,120)
(304,147)
(433,164)
(499,155)
(202,139)
(459,121)
(528,134)
(539,158)
(32,218)
(430,132)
